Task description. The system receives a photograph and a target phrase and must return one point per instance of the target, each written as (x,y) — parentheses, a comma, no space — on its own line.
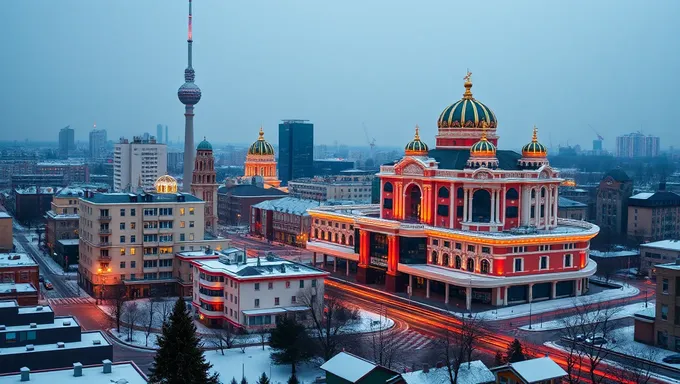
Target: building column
(325,260)
(427,288)
(465,204)
(578,287)
(452,206)
(410,282)
(553,290)
(498,206)
(537,209)
(347,267)
(446,293)
(493,206)
(381,200)
(470,198)
(468,298)
(548,208)
(335,263)
(530,295)
(505,296)
(555,204)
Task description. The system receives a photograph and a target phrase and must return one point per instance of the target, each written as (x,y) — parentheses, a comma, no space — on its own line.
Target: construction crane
(371,142)
(599,137)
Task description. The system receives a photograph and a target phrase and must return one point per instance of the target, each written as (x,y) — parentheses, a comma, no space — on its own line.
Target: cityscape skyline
(318,79)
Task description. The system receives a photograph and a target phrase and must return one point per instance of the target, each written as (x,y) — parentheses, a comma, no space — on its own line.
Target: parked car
(48,285)
(672,359)
(596,340)
(41,278)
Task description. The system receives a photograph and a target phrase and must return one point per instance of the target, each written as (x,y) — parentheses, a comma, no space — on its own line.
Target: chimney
(96,342)
(25,374)
(426,368)
(33,325)
(60,344)
(29,347)
(107,365)
(77,369)
(66,323)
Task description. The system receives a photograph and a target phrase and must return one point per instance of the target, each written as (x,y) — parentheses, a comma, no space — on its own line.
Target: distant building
(325,167)
(37,180)
(106,372)
(597,145)
(67,142)
(19,268)
(667,319)
(260,161)
(74,171)
(296,150)
(346,368)
(284,220)
(35,338)
(138,163)
(612,203)
(654,216)
(159,134)
(98,143)
(175,160)
(570,209)
(658,252)
(31,204)
(347,186)
(636,144)
(234,201)
(540,370)
(252,292)
(203,184)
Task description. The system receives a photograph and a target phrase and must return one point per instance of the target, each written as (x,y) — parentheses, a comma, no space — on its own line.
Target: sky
(387,65)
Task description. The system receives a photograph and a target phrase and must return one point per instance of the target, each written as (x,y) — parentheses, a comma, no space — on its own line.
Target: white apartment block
(131,239)
(333,188)
(250,292)
(138,163)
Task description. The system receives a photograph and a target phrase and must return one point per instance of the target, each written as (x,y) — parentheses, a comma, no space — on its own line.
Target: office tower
(189,94)
(167,137)
(97,143)
(159,134)
(203,183)
(296,150)
(637,145)
(137,164)
(66,141)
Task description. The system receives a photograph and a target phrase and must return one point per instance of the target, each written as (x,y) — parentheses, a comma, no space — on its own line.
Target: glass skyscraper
(296,150)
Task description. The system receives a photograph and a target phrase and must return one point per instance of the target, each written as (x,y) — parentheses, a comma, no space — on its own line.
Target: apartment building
(131,239)
(667,319)
(654,216)
(138,163)
(347,186)
(657,252)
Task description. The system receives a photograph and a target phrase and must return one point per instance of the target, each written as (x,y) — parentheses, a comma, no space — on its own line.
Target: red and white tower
(203,184)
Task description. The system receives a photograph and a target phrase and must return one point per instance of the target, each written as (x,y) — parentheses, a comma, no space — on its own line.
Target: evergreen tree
(514,353)
(179,358)
(290,343)
(263,379)
(498,359)
(233,380)
(243,380)
(293,380)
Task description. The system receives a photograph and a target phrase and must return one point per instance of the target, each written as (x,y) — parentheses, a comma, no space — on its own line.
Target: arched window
(511,194)
(543,192)
(323,235)
(316,233)
(443,193)
(470,265)
(351,240)
(387,187)
(445,259)
(485,266)
(458,262)
(335,237)
(342,239)
(533,193)
(435,258)
(460,193)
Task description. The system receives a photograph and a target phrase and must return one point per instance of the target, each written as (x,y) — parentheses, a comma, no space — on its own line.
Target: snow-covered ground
(138,337)
(511,312)
(161,309)
(614,314)
(368,322)
(254,362)
(621,340)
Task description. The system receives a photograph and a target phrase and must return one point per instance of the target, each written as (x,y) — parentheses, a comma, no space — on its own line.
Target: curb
(119,341)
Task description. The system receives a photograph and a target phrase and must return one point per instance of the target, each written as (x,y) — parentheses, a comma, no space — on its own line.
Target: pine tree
(263,379)
(179,358)
(293,380)
(498,359)
(514,353)
(233,381)
(290,343)
(243,380)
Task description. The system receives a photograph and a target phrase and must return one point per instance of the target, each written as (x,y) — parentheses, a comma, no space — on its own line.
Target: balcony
(105,231)
(150,230)
(104,218)
(105,258)
(105,244)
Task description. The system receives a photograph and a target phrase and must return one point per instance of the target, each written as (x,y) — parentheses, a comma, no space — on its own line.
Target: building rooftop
(672,266)
(669,245)
(35,191)
(128,198)
(87,339)
(656,199)
(80,189)
(256,267)
(61,163)
(348,366)
(249,190)
(5,215)
(291,205)
(619,253)
(568,203)
(16,259)
(535,370)
(121,373)
(62,216)
(69,241)
(16,287)
(473,373)
(58,322)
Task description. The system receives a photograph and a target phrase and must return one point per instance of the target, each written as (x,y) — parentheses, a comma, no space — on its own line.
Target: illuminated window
(191,211)
(181,211)
(133,251)
(182,224)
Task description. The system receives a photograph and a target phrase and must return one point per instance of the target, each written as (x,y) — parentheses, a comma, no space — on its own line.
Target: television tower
(189,94)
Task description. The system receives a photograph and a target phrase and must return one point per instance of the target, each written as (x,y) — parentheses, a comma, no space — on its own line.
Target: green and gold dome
(204,145)
(416,147)
(483,148)
(261,147)
(467,112)
(534,149)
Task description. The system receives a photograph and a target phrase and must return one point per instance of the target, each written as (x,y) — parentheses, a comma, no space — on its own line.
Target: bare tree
(131,316)
(330,317)
(640,368)
(118,298)
(262,334)
(382,343)
(222,338)
(148,323)
(458,345)
(164,308)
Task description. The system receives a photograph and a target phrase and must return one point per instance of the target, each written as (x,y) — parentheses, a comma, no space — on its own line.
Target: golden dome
(416,147)
(534,149)
(483,148)
(165,184)
(467,112)
(261,146)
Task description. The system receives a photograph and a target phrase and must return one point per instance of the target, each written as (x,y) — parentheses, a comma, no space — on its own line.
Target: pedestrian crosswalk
(70,300)
(410,340)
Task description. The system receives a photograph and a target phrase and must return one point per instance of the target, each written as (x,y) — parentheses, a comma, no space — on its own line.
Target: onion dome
(261,147)
(483,148)
(534,149)
(204,145)
(416,147)
(165,184)
(467,112)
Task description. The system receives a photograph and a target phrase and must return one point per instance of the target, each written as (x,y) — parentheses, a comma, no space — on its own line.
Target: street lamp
(530,315)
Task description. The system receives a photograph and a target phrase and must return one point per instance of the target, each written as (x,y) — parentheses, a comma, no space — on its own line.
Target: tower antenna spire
(190,39)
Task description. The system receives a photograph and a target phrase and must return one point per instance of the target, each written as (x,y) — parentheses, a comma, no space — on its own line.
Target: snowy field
(622,342)
(138,337)
(161,309)
(255,361)
(620,313)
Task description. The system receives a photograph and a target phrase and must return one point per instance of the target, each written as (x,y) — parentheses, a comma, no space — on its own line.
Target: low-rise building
(658,252)
(352,186)
(667,319)
(31,204)
(33,337)
(251,293)
(284,220)
(18,268)
(234,201)
(106,372)
(541,370)
(23,293)
(571,209)
(74,171)
(346,368)
(474,372)
(6,232)
(654,216)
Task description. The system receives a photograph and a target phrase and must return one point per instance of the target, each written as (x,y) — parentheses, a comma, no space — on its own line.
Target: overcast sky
(389,64)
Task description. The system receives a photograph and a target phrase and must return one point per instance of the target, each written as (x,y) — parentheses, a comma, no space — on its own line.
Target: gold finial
(534,139)
(468,85)
(261,134)
(417,136)
(483,133)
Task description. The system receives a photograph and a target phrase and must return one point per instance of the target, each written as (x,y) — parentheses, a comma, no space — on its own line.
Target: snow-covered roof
(670,245)
(126,372)
(642,195)
(348,367)
(621,253)
(542,368)
(69,241)
(16,287)
(15,259)
(291,205)
(674,266)
(5,215)
(34,190)
(473,373)
(256,267)
(568,203)
(94,339)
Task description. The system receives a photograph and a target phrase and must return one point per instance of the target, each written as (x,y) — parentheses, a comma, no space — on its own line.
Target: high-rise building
(97,143)
(66,141)
(159,134)
(189,94)
(637,145)
(167,137)
(296,150)
(261,161)
(137,164)
(203,183)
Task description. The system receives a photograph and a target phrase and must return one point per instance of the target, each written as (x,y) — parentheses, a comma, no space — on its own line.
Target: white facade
(354,188)
(138,164)
(97,143)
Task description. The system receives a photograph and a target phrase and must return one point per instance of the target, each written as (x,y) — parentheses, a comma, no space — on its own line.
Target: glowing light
(200,316)
(165,184)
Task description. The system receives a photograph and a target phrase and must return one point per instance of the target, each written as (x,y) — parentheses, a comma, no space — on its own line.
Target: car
(41,278)
(672,359)
(597,340)
(48,285)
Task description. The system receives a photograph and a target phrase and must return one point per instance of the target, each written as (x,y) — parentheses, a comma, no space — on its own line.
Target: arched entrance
(412,202)
(481,206)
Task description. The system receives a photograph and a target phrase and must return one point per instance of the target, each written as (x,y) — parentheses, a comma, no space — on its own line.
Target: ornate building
(203,184)
(463,220)
(260,161)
